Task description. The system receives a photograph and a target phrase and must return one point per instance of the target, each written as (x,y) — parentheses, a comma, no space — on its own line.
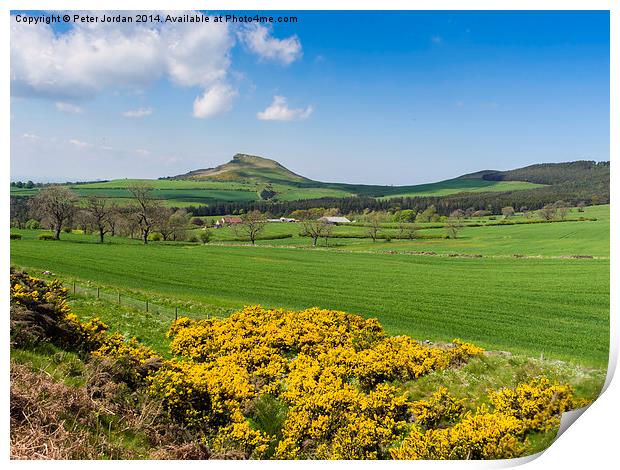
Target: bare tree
(54,204)
(98,215)
(163,225)
(114,216)
(580,206)
(453,227)
(548,212)
(147,209)
(508,212)
(253,224)
(562,208)
(406,230)
(315,229)
(19,211)
(457,214)
(374,220)
(179,222)
(127,223)
(327,232)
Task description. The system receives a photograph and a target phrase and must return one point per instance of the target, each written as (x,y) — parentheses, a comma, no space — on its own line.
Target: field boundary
(119,298)
(409,253)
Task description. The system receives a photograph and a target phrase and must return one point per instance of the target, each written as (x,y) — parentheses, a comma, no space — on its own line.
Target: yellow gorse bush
(240,437)
(335,379)
(532,406)
(31,292)
(331,369)
(50,298)
(538,404)
(441,409)
(482,435)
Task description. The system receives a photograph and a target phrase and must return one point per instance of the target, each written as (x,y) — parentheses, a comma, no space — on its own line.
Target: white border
(592,442)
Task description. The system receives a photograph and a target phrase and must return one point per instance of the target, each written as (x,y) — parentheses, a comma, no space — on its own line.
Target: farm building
(282,219)
(226,221)
(335,220)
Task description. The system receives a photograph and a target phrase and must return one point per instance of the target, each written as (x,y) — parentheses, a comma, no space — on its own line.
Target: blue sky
(366,97)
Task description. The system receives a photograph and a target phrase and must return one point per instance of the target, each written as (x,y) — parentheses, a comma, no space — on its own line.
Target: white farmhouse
(335,220)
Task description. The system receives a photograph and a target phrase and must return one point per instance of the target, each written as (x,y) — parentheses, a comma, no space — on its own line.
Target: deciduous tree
(253,223)
(146,210)
(98,215)
(54,204)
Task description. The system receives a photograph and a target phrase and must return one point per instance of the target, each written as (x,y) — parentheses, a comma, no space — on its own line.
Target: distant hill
(246,168)
(250,182)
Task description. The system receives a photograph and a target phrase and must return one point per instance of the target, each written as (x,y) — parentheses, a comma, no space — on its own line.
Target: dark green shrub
(197,221)
(46,236)
(16,236)
(193,239)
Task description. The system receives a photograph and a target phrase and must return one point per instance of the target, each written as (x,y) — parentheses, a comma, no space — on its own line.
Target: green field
(182,193)
(552,306)
(569,238)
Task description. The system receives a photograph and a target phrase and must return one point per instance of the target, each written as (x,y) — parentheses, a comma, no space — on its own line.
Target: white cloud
(279,111)
(216,100)
(258,40)
(30,136)
(142,152)
(138,113)
(90,58)
(68,108)
(79,144)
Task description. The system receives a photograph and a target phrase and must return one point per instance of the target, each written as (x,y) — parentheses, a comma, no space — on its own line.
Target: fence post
(119,298)
(97,293)
(176,313)
(147,305)
(74,287)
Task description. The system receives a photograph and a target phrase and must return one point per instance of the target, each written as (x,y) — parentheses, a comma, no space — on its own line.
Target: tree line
(59,209)
(493,202)
(56,207)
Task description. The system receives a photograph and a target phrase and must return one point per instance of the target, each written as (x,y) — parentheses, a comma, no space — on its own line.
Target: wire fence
(123,299)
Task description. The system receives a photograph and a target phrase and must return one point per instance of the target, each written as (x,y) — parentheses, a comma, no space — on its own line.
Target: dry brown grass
(50,420)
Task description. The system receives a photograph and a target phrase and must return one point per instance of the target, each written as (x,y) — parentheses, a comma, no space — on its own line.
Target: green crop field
(554,306)
(181,193)
(569,238)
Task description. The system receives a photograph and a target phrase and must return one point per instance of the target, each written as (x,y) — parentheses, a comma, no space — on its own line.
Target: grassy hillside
(554,306)
(246,168)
